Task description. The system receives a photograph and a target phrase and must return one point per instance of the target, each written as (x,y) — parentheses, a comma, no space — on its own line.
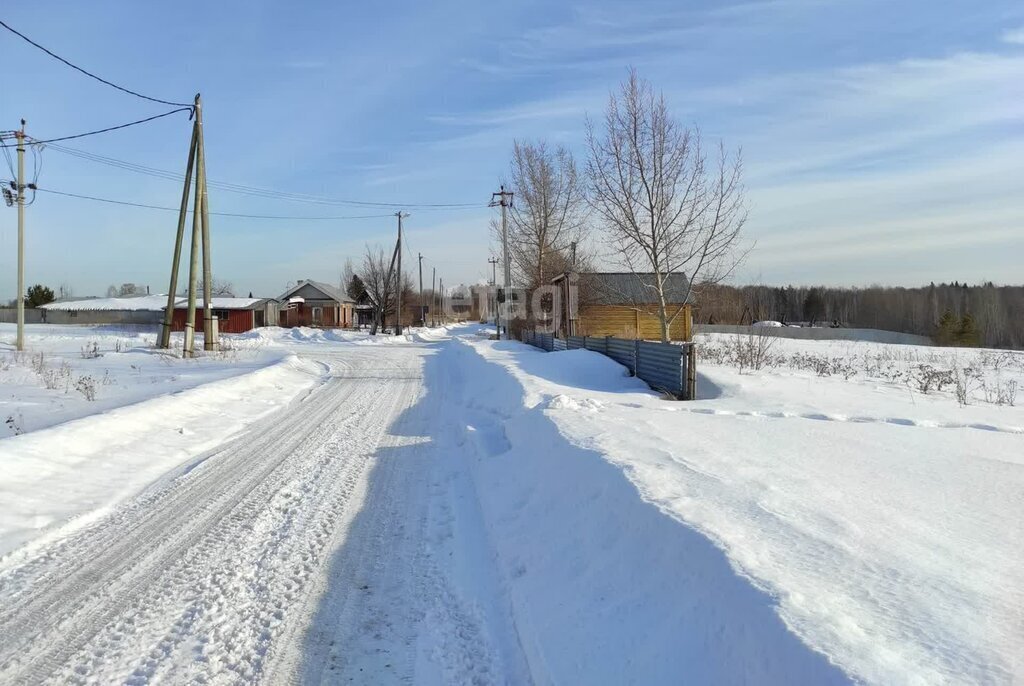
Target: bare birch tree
(665,208)
(379,284)
(380,279)
(548,215)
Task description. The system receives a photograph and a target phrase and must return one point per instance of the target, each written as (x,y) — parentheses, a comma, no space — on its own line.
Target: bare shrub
(91,351)
(927,378)
(86,385)
(754,351)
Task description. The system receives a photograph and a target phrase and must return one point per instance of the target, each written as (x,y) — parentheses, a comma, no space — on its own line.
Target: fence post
(606,345)
(636,357)
(691,371)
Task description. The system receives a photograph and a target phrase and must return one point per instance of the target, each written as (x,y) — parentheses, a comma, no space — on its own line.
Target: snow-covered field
(443,508)
(119,414)
(885,522)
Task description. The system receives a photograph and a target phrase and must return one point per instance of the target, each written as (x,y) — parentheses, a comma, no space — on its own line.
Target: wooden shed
(234,315)
(623,304)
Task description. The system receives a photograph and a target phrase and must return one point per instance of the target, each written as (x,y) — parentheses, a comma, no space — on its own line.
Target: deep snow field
(838,514)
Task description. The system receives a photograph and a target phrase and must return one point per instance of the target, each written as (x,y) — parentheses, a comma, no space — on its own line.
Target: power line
(221,214)
(109,128)
(253,190)
(90,74)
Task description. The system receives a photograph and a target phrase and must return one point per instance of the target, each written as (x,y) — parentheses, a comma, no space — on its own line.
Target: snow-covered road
(209,574)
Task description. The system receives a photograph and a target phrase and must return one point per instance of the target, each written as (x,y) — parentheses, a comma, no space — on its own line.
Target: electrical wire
(219,214)
(90,74)
(109,128)
(256,191)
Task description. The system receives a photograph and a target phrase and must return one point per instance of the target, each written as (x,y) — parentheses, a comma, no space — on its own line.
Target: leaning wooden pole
(197,213)
(209,330)
(165,332)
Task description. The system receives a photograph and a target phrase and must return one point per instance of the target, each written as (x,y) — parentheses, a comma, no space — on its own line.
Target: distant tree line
(953,314)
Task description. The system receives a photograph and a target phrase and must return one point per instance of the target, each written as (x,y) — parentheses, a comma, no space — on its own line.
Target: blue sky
(883,141)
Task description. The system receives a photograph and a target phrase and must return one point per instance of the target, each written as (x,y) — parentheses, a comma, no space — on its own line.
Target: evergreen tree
(967,333)
(38,295)
(814,306)
(355,288)
(947,331)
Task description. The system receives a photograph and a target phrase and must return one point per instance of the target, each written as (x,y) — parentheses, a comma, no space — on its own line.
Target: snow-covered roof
(132,304)
(148,303)
(222,303)
(326,289)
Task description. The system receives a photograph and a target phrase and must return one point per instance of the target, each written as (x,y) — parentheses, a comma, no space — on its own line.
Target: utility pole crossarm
(504,201)
(20,341)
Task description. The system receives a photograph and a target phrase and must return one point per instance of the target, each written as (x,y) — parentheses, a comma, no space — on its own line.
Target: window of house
(318,315)
(220,314)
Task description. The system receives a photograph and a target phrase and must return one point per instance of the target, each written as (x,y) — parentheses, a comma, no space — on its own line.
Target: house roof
(148,303)
(138,303)
(223,303)
(330,291)
(627,288)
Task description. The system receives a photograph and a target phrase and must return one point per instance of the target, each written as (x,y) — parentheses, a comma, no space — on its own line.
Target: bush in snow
(86,385)
(91,351)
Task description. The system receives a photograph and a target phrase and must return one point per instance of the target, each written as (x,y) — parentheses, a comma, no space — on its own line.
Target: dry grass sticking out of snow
(964,375)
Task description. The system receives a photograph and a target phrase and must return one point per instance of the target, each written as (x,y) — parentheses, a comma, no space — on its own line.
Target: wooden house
(314,303)
(623,304)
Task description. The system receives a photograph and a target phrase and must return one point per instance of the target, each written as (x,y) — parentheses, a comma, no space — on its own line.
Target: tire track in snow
(198,577)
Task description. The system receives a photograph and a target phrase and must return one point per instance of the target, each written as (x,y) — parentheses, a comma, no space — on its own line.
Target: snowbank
(604,587)
(882,528)
(65,476)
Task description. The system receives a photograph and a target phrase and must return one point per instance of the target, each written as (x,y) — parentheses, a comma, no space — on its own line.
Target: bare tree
(218,288)
(348,272)
(380,279)
(664,208)
(548,215)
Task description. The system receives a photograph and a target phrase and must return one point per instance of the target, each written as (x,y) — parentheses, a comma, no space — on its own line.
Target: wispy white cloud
(1014,36)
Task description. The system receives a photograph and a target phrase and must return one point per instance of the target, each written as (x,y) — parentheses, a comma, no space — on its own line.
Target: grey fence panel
(661,366)
(624,352)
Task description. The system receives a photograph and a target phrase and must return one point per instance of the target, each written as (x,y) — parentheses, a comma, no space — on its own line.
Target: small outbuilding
(234,315)
(623,304)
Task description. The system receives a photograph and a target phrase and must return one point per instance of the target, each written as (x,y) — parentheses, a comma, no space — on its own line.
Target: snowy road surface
(444,510)
(195,577)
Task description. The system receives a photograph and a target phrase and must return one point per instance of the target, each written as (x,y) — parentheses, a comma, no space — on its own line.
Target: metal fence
(667,367)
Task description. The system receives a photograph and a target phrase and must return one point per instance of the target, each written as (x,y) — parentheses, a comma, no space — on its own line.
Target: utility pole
(172,292)
(20,134)
(440,300)
(398,316)
(493,261)
(209,323)
(423,311)
(433,296)
(200,241)
(505,201)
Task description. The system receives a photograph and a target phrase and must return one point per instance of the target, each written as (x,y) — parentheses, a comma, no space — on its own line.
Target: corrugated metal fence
(668,367)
